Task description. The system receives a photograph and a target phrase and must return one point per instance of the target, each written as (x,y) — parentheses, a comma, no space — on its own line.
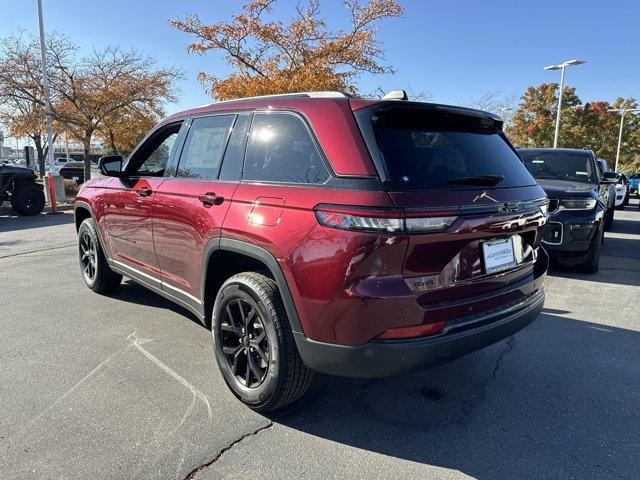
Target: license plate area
(498,255)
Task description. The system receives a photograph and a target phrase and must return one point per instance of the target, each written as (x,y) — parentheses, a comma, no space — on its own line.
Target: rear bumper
(383,358)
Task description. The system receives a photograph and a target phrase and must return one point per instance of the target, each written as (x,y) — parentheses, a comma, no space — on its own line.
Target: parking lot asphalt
(125,386)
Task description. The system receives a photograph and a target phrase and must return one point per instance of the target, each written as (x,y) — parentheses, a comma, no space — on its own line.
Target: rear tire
(254,345)
(592,262)
(27,199)
(96,272)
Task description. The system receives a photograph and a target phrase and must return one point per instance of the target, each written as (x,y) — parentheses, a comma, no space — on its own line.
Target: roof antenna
(396,95)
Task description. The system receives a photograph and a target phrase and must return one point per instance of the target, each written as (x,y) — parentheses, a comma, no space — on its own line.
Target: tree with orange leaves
(269,56)
(21,93)
(104,85)
(121,131)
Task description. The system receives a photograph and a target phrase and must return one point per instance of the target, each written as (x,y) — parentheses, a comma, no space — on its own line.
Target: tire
(27,199)
(592,262)
(256,352)
(608,219)
(96,273)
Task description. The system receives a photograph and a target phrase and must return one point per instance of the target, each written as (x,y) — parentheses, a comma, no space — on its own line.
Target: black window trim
(173,171)
(155,131)
(315,141)
(241,113)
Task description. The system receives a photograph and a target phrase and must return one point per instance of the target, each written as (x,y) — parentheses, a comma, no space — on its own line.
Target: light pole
(622,111)
(45,90)
(561,67)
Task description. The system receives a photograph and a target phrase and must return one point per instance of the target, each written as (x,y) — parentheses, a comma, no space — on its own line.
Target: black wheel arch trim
(258,253)
(79,204)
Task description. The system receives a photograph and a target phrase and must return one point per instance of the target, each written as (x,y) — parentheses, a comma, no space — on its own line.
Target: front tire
(608,219)
(27,199)
(96,273)
(592,262)
(254,345)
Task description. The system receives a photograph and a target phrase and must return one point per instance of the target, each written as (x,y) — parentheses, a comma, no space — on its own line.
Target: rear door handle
(144,191)
(211,198)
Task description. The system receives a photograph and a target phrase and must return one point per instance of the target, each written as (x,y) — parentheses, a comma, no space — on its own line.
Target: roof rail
(323,94)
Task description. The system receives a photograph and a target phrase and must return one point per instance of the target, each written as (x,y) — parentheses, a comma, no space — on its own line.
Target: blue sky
(456,50)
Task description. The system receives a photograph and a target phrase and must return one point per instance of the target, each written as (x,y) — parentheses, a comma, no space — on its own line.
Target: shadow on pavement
(622,225)
(10,223)
(558,400)
(131,292)
(619,264)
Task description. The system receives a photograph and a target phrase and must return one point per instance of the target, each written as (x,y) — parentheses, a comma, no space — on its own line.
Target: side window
(151,159)
(204,146)
(280,149)
(232,163)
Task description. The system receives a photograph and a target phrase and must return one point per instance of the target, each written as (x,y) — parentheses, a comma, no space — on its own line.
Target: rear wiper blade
(483,180)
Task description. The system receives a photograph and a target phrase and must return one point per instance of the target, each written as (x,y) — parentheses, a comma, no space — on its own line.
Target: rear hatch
(453,170)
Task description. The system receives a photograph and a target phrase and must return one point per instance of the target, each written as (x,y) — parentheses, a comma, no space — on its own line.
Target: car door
(190,206)
(127,212)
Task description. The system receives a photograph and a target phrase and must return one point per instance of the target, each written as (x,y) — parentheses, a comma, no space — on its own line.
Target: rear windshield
(425,150)
(559,165)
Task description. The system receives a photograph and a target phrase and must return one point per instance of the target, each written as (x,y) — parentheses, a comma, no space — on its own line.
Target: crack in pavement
(197,470)
(498,364)
(12,255)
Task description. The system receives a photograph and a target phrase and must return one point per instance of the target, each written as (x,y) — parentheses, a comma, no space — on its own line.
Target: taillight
(345,221)
(379,220)
(428,224)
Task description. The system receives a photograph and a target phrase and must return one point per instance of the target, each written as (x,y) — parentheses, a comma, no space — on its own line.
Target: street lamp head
(568,63)
(623,110)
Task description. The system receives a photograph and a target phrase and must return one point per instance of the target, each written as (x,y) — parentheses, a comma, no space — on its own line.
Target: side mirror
(110,165)
(610,177)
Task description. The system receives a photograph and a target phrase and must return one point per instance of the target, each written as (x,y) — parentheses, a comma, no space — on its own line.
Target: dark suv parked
(581,202)
(318,232)
(18,185)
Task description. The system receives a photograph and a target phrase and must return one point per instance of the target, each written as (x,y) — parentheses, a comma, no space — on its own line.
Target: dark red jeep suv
(319,232)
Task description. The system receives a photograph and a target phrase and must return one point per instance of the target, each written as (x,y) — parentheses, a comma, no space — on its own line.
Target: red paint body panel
(182,227)
(126,222)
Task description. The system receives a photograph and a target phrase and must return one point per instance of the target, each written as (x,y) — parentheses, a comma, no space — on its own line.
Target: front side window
(281,149)
(151,159)
(204,147)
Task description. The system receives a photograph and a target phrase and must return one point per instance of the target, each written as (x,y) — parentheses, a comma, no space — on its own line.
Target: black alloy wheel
(88,257)
(244,342)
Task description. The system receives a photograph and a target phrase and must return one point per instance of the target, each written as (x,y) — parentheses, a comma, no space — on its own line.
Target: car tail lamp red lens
(346,221)
(412,332)
(382,220)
